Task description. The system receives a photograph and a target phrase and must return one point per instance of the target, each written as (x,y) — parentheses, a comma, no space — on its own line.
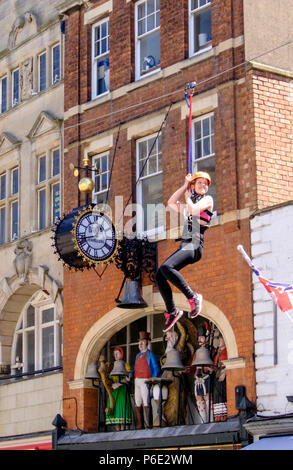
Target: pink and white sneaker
(195,305)
(171,319)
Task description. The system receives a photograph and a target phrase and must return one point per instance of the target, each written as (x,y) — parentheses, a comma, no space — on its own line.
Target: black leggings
(169,271)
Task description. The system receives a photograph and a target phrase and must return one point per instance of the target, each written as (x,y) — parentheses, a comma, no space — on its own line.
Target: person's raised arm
(174,201)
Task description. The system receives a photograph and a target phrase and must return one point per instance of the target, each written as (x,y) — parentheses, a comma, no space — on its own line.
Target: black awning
(157,438)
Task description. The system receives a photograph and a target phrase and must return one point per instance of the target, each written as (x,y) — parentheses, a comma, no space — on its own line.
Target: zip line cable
(148,157)
(245,62)
(114,155)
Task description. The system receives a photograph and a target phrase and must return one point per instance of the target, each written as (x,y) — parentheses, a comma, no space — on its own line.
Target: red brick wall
(272,101)
(221,275)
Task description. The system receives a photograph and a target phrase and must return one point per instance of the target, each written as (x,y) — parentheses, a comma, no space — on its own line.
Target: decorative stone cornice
(67,6)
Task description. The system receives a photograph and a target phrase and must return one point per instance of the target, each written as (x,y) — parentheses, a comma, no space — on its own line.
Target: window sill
(13,379)
(148,74)
(201,51)
(96,101)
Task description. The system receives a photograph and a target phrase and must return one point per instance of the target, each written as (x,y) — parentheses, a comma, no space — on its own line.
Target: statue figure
(184,340)
(22,261)
(202,380)
(220,393)
(26,79)
(118,409)
(146,366)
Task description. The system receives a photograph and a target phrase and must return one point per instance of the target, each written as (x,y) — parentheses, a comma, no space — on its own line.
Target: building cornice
(269,68)
(67,6)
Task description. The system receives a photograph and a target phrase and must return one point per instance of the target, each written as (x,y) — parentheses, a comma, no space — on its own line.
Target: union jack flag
(281,293)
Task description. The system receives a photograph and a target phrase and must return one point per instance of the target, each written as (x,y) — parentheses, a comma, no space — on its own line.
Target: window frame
(192,14)
(41,157)
(211,156)
(53,219)
(44,190)
(53,48)
(4,174)
(42,54)
(138,38)
(52,162)
(14,235)
(3,229)
(103,55)
(14,102)
(96,194)
(13,171)
(2,111)
(140,207)
(40,302)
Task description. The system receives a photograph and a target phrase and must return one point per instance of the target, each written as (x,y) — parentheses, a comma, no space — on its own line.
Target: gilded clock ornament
(85,238)
(94,236)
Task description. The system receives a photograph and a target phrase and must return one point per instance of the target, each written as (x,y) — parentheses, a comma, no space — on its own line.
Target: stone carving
(22,261)
(23,27)
(26,79)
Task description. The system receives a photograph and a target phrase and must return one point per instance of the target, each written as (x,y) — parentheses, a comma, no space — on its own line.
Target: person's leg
(171,267)
(169,271)
(138,404)
(165,291)
(172,315)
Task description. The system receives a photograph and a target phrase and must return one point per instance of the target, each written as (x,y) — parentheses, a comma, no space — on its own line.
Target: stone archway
(117,318)
(14,294)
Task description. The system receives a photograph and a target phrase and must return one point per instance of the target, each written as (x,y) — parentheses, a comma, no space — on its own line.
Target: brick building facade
(111,108)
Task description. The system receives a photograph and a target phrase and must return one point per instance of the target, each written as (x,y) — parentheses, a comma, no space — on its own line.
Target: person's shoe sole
(199,296)
(175,320)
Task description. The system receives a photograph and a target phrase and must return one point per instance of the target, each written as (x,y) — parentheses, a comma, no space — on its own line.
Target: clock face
(95,236)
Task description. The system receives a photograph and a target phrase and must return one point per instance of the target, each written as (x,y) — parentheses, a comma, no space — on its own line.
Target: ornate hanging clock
(94,236)
(86,237)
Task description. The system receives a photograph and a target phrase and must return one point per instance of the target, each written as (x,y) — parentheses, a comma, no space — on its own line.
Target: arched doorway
(101,334)
(114,320)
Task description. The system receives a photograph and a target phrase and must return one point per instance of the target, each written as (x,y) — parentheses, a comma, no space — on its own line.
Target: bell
(173,361)
(202,357)
(131,297)
(119,368)
(92,372)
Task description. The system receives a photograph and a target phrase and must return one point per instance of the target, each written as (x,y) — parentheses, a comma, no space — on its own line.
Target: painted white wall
(272,254)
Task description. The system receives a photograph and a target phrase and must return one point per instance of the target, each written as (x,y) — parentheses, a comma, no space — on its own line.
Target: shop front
(189,394)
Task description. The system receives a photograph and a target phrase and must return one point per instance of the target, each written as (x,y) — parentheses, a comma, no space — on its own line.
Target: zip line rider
(200,210)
